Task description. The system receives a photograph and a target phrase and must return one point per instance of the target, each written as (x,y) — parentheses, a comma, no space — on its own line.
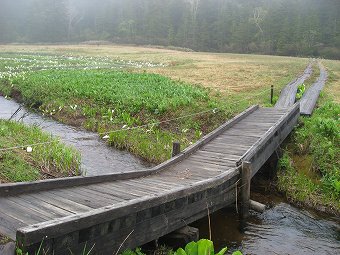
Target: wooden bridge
(288,93)
(138,207)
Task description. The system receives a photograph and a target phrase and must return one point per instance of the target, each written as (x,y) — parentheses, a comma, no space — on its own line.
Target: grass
(310,169)
(17,165)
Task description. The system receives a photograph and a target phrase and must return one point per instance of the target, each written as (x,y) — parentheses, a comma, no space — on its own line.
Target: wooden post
(245,190)
(176,148)
(271,94)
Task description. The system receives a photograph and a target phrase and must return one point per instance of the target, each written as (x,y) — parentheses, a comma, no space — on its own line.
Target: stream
(97,158)
(281,229)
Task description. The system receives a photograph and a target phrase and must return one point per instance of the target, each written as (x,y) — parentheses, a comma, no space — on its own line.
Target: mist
(281,27)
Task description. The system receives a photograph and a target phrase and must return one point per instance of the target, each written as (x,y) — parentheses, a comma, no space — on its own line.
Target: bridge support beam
(245,190)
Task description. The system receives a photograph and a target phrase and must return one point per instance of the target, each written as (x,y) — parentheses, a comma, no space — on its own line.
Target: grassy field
(37,162)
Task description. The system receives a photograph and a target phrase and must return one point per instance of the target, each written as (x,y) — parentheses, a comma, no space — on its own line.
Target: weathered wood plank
(35,201)
(124,192)
(9,225)
(35,209)
(74,197)
(21,213)
(61,202)
(113,192)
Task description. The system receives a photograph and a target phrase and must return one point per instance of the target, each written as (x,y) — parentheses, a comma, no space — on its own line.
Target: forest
(278,27)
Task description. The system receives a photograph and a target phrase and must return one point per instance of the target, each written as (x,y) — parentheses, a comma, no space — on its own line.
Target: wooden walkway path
(104,210)
(288,93)
(309,99)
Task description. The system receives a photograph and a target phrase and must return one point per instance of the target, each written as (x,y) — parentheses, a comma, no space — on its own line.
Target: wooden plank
(158,183)
(9,225)
(253,124)
(61,202)
(220,155)
(74,197)
(37,202)
(148,186)
(160,180)
(126,191)
(225,152)
(169,175)
(19,213)
(116,193)
(225,161)
(95,193)
(129,188)
(196,165)
(35,209)
(244,134)
(103,199)
(10,233)
(224,142)
(234,140)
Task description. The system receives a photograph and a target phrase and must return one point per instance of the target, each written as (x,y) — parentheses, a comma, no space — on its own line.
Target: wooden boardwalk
(288,93)
(309,99)
(68,214)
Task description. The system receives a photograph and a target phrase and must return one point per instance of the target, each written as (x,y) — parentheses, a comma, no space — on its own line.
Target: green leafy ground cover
(201,247)
(17,165)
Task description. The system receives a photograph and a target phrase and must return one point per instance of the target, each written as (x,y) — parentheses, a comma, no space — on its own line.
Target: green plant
(300,91)
(202,247)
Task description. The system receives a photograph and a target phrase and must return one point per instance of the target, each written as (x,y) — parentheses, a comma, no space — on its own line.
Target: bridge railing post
(271,94)
(176,149)
(245,190)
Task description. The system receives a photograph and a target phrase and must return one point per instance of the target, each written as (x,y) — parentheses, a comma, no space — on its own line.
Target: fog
(284,27)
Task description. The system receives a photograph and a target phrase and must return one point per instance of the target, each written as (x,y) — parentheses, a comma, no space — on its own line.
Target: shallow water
(282,229)
(96,157)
